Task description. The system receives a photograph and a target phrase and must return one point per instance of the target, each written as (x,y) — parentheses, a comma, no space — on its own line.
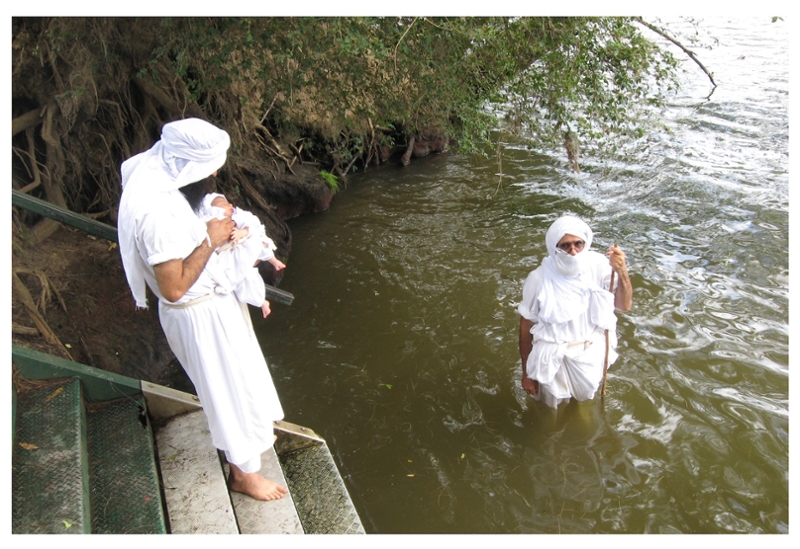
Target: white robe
(568,357)
(213,339)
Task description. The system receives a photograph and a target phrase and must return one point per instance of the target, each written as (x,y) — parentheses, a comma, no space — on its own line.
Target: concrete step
(195,488)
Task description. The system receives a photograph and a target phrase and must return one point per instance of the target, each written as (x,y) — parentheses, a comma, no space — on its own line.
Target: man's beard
(194,192)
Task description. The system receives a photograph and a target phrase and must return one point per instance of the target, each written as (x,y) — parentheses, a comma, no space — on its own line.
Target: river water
(400,348)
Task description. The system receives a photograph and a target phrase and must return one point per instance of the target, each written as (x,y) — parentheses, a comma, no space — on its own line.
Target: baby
(248,246)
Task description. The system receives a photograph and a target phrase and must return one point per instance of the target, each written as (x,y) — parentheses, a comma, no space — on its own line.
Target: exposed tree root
(23,295)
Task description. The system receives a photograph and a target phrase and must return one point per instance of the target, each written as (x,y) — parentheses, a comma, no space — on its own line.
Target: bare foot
(254,485)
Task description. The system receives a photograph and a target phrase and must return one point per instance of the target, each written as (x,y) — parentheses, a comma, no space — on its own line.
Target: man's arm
(623,295)
(525,348)
(176,276)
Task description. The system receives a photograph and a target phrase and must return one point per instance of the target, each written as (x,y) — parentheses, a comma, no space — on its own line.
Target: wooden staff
(605,363)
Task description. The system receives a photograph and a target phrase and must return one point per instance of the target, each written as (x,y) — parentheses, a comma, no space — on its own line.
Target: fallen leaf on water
(54,394)
(28,446)
(409,475)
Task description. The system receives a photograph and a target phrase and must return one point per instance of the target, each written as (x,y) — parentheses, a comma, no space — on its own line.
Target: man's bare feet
(254,485)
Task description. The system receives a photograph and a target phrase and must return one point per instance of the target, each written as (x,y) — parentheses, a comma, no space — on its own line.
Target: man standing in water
(166,246)
(567,312)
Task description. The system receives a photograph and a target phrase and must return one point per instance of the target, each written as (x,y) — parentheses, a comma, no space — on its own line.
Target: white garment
(570,317)
(214,338)
(236,262)
(215,342)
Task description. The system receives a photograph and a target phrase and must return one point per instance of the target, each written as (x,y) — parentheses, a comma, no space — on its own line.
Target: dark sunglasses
(567,246)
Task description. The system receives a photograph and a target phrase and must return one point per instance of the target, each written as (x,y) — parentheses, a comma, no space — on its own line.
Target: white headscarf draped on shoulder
(189,151)
(567,293)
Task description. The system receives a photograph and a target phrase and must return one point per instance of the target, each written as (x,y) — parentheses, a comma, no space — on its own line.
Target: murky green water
(401,346)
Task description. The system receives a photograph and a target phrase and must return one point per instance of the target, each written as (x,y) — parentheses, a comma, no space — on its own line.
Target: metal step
(50,465)
(123,474)
(321,498)
(60,473)
(83,467)
(195,491)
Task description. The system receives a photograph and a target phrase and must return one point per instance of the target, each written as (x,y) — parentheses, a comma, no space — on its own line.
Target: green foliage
(337,77)
(345,86)
(331,180)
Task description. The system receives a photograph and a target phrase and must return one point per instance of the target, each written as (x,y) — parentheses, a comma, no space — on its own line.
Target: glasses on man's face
(577,244)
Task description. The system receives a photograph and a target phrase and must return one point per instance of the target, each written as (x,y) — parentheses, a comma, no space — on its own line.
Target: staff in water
(567,329)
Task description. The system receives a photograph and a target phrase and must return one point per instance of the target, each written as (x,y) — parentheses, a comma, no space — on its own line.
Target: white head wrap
(564,226)
(565,294)
(568,265)
(189,151)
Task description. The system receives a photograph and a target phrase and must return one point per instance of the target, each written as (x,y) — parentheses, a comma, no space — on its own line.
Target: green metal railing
(96,228)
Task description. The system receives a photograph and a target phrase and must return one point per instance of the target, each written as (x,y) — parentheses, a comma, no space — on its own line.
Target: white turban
(189,151)
(567,225)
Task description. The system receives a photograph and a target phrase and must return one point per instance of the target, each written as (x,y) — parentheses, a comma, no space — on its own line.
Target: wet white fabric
(565,310)
(189,150)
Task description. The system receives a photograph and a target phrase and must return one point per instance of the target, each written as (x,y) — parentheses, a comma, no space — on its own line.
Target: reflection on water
(401,345)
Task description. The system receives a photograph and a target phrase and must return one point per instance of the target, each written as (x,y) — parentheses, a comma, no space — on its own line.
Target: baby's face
(220,202)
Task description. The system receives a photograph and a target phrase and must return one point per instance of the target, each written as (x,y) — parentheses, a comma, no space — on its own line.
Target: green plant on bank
(331,180)
(331,90)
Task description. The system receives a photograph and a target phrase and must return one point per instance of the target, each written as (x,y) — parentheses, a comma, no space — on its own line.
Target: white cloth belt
(189,303)
(585,342)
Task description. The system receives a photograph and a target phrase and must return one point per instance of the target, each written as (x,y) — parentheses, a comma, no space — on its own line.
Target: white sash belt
(189,303)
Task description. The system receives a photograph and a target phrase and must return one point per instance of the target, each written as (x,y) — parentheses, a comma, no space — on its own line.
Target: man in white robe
(567,312)
(166,246)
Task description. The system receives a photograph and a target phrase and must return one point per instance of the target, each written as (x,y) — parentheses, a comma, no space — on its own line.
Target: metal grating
(126,498)
(50,463)
(320,496)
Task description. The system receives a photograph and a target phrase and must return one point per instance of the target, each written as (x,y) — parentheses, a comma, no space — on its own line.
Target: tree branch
(399,41)
(681,46)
